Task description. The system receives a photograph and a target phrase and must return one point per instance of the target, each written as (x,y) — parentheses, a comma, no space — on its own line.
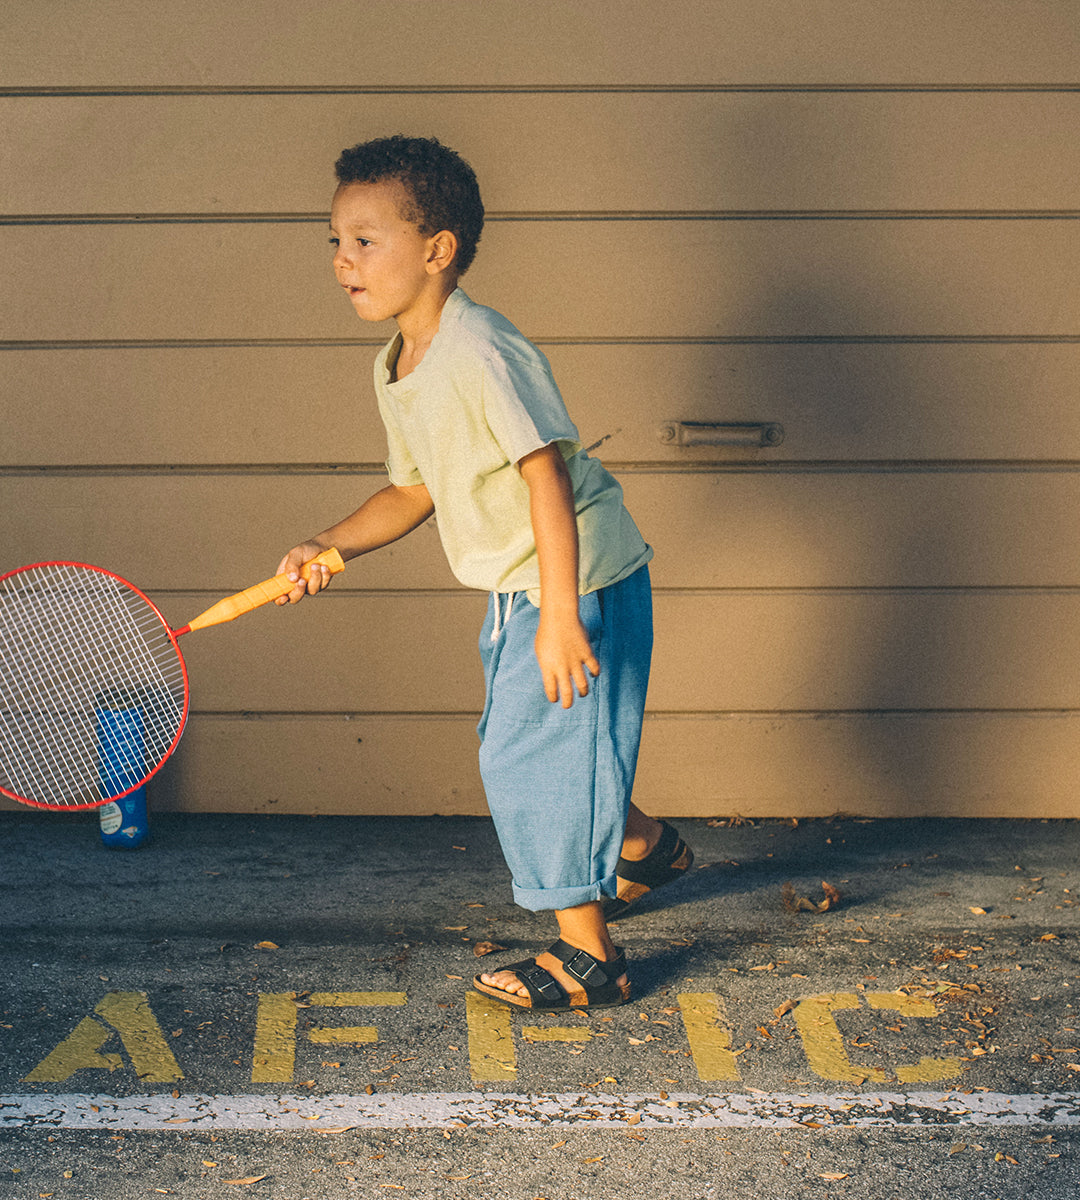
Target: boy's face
(380,259)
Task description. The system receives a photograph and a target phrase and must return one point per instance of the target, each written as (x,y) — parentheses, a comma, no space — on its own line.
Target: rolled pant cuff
(546,899)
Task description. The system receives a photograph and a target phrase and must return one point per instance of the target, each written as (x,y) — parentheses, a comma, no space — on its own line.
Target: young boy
(478,435)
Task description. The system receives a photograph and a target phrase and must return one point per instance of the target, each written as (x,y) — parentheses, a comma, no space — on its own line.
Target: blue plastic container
(121,762)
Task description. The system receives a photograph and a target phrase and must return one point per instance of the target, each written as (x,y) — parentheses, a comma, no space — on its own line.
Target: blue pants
(557,780)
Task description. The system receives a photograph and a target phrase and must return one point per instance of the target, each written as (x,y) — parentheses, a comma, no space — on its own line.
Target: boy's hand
(290,565)
(565,654)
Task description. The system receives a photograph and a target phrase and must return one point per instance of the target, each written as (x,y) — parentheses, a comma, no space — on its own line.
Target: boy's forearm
(563,652)
(554,522)
(383,518)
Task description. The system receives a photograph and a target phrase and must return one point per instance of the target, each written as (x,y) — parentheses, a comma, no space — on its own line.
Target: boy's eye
(360,241)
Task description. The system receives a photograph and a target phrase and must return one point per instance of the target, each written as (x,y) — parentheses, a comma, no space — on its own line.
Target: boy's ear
(442,251)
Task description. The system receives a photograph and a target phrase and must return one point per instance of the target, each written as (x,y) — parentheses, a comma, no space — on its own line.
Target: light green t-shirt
(481,399)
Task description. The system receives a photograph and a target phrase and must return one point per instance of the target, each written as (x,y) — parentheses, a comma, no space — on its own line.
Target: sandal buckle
(543,981)
(593,974)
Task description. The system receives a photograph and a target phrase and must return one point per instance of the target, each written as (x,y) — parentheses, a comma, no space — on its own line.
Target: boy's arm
(562,645)
(383,518)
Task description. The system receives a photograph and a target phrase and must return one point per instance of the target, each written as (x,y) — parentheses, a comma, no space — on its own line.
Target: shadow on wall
(887,648)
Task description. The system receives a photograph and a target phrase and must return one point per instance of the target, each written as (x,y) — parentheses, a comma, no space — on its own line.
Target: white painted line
(444,1110)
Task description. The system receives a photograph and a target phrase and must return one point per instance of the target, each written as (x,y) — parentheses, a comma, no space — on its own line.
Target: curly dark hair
(441,185)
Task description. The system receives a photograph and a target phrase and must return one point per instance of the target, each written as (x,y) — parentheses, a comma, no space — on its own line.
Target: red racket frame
(172,635)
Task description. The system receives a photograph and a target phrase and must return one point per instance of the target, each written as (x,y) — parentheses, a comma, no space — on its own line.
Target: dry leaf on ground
(793,902)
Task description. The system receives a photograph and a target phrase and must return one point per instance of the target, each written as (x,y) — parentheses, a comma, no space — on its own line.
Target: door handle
(732,433)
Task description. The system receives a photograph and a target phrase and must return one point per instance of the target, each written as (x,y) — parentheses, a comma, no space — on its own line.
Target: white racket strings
(92,688)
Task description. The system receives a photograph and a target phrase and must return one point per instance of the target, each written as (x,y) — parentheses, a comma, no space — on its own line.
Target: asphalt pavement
(280,1007)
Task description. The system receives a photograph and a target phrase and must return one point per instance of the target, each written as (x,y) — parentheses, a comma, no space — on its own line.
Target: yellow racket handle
(261,593)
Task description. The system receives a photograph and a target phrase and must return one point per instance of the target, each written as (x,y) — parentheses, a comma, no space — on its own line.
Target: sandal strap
(657,867)
(539,983)
(590,972)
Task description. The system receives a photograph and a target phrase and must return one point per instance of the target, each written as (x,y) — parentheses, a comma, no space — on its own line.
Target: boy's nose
(341,260)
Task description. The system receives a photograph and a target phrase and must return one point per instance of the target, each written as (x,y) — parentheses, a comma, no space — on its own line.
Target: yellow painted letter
(709,1035)
(926,1070)
(140,1034)
(491,1039)
(275,1029)
(823,1042)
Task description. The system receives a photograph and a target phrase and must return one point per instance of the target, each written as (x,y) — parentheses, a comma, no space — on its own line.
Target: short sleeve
(523,407)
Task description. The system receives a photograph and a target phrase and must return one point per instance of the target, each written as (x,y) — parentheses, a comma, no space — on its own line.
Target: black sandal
(546,993)
(668,860)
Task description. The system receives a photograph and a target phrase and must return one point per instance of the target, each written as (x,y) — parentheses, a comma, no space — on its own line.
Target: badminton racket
(93,687)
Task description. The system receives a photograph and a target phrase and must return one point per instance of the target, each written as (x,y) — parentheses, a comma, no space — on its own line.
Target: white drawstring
(500,617)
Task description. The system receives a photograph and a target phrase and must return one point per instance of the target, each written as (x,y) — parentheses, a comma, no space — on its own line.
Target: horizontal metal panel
(821,651)
(384,765)
(619,152)
(219,533)
(340,653)
(881,765)
(205,44)
(298,405)
(977,765)
(850,529)
(715,652)
(210,532)
(567,279)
